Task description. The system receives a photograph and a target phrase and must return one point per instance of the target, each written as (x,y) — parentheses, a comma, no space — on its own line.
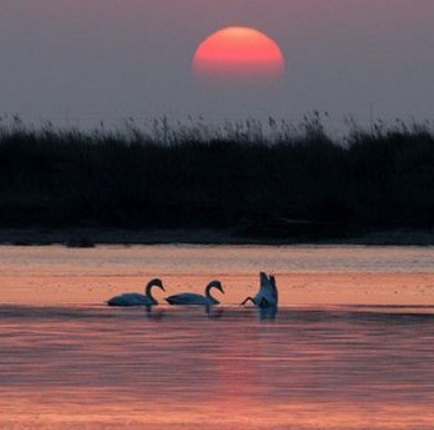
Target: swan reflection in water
(213,313)
(268,314)
(154,313)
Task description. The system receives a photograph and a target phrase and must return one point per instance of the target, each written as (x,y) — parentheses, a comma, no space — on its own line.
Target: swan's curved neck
(208,291)
(149,289)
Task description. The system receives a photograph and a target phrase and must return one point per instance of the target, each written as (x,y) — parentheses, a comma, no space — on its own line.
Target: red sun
(240,53)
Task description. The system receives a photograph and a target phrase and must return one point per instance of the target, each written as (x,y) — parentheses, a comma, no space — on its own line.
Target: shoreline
(88,238)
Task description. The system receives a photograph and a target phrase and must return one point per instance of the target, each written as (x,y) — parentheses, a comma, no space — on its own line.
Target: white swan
(136,299)
(267,295)
(197,299)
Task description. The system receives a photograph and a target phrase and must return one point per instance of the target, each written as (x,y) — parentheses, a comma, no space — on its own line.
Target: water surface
(352,346)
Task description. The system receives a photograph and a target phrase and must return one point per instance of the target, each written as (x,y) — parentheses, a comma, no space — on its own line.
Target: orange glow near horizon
(238,52)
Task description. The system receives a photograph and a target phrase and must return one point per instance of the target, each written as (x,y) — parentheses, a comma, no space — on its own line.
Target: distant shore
(86,238)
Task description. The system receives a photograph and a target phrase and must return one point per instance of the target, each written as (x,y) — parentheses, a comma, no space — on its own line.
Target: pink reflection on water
(311,368)
(336,356)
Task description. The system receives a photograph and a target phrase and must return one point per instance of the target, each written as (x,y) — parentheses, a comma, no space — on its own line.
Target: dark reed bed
(235,176)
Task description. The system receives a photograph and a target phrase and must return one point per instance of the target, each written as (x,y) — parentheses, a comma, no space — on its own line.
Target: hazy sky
(114,58)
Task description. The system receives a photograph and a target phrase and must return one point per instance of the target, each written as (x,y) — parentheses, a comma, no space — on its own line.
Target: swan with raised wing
(267,295)
(197,299)
(137,299)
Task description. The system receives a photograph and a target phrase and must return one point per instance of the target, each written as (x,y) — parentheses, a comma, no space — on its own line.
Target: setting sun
(238,52)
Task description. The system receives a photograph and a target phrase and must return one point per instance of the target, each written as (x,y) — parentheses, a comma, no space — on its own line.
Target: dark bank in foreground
(89,238)
(239,186)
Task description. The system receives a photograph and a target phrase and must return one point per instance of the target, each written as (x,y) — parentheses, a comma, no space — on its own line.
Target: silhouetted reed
(169,176)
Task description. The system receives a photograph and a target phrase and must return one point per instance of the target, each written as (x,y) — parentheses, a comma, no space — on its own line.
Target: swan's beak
(222,290)
(162,287)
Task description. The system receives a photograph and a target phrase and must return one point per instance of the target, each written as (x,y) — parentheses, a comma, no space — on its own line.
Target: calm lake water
(351,347)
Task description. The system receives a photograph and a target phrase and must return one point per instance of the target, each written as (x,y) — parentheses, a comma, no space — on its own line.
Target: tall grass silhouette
(228,177)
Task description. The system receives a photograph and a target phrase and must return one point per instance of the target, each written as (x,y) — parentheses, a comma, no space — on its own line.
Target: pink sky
(115,58)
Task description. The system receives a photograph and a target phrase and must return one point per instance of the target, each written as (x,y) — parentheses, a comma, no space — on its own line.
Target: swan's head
(156,283)
(216,284)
